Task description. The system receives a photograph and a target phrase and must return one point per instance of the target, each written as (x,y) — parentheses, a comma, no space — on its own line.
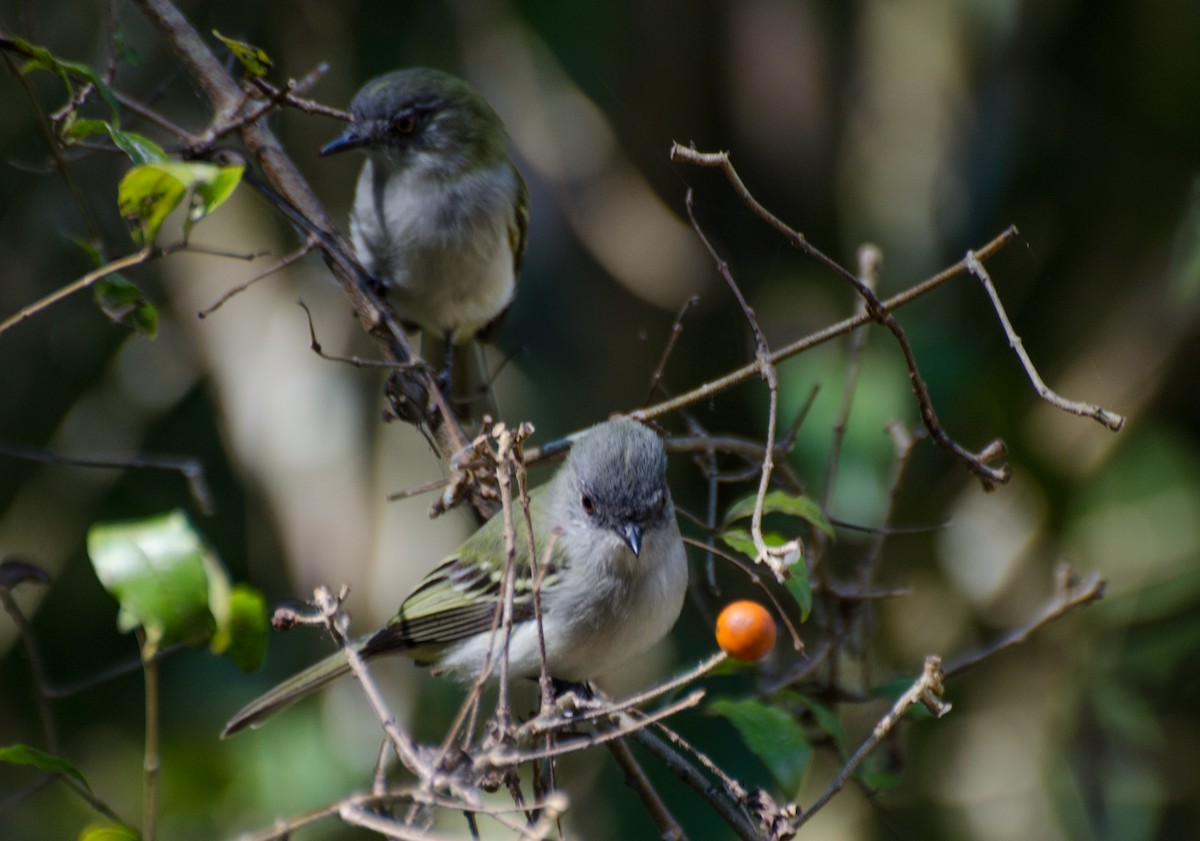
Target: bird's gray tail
(293,689)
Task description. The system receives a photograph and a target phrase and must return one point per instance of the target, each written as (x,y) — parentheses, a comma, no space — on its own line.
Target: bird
(441,214)
(612,586)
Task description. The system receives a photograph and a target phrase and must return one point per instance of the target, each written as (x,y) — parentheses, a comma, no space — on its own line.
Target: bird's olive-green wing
(461,597)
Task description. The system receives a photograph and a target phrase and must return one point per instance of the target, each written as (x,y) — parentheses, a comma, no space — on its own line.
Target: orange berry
(745,630)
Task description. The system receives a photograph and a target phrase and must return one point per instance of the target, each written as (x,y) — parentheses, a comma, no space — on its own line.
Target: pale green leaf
(108,832)
(160,572)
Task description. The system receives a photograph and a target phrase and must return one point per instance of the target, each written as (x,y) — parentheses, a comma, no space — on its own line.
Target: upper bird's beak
(631,533)
(351,138)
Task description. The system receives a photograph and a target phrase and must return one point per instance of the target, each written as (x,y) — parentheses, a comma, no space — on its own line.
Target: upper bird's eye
(405,122)
(589,504)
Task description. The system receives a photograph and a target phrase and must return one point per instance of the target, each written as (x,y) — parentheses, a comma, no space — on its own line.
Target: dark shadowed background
(923,126)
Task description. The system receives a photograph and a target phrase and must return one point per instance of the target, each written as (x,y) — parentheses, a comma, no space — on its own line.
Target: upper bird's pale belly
(451,272)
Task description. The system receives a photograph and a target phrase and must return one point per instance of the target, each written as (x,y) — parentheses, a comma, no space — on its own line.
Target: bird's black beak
(631,533)
(351,138)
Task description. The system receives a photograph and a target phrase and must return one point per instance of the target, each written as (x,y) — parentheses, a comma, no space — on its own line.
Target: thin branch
(926,690)
(672,340)
(1110,419)
(635,778)
(1070,592)
(83,282)
(406,749)
(726,806)
(507,758)
(776,558)
(797,643)
(310,243)
(737,377)
(611,708)
(192,470)
(869,262)
(52,143)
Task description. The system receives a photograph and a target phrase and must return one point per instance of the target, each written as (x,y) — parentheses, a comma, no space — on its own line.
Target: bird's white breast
(442,247)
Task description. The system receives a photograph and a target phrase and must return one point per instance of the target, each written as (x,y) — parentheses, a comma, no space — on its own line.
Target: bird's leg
(446,376)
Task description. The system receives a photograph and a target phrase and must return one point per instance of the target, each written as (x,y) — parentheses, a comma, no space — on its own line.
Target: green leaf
(772,735)
(139,148)
(108,832)
(739,540)
(242,628)
(149,192)
(19,754)
(798,586)
(161,573)
(124,304)
(781,502)
(254,60)
(41,58)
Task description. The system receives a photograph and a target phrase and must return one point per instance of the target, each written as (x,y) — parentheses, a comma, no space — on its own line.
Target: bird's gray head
(617,474)
(422,113)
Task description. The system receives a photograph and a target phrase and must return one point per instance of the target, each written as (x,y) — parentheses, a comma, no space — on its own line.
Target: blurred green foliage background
(924,126)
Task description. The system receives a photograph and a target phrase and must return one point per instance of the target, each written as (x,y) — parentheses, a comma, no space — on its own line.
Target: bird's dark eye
(589,504)
(405,123)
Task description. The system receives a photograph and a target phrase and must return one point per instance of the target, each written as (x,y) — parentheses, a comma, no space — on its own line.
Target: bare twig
(676,332)
(406,749)
(869,261)
(727,806)
(1070,592)
(309,244)
(191,469)
(797,643)
(83,282)
(635,778)
(926,690)
(509,758)
(1110,419)
(776,558)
